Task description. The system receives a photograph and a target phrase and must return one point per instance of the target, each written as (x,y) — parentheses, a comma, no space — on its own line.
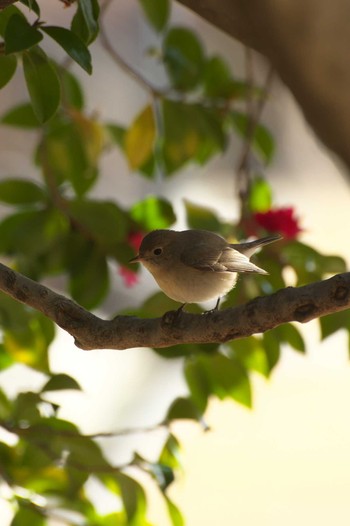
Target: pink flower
(129,277)
(280,220)
(134,240)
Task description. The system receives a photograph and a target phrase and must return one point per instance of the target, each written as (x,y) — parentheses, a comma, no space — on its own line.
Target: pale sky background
(287,461)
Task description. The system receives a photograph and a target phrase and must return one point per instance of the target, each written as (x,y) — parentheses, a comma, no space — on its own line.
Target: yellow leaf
(139,139)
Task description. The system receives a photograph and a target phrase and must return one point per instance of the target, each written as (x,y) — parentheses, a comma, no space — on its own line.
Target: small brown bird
(196,265)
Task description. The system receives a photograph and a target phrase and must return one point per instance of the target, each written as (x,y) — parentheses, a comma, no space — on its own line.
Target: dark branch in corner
(90,332)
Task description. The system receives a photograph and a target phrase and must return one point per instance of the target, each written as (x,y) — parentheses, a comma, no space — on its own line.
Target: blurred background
(286,460)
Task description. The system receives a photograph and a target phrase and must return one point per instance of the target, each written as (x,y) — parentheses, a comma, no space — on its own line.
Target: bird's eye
(157,251)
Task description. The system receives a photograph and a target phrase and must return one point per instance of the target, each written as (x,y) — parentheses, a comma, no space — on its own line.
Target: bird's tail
(250,247)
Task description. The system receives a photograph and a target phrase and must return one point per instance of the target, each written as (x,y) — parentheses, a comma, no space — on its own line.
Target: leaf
(70,150)
(116,134)
(226,377)
(59,382)
(174,513)
(272,348)
(85,21)
(191,132)
(22,116)
(183,409)
(32,5)
(8,67)
(5,406)
(134,499)
(139,139)
(202,218)
(42,83)
(260,195)
(20,35)
(153,213)
(26,515)
(288,333)
(198,383)
(170,454)
(262,140)
(183,57)
(251,353)
(157,12)
(72,93)
(72,44)
(21,192)
(218,81)
(104,221)
(89,282)
(25,408)
(5,16)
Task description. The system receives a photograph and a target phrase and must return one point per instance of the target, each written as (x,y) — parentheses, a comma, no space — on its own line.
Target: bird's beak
(136,259)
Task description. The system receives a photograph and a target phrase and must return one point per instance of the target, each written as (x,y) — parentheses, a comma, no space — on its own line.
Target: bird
(195,266)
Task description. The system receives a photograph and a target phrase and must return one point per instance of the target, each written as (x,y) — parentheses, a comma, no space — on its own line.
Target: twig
(118,59)
(90,332)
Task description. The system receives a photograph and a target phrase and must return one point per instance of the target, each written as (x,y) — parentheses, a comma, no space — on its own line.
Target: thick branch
(307,43)
(90,332)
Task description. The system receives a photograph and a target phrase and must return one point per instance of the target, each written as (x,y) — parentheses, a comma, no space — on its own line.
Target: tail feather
(250,247)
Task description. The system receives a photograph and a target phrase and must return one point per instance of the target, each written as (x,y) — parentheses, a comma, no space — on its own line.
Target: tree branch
(259,315)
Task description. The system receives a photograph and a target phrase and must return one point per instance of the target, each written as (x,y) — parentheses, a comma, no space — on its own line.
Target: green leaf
(198,383)
(8,67)
(72,44)
(32,5)
(42,83)
(25,408)
(85,21)
(333,323)
(183,409)
(27,515)
(139,139)
(183,58)
(20,35)
(21,116)
(218,81)
(174,513)
(260,195)
(227,377)
(116,134)
(5,406)
(153,213)
(157,12)
(170,454)
(21,192)
(72,93)
(70,151)
(272,348)
(201,218)
(288,333)
(262,140)
(191,132)
(103,220)
(59,382)
(251,353)
(89,281)
(5,16)
(6,360)
(134,499)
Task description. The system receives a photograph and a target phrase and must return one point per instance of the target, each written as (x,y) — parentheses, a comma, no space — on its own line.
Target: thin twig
(119,60)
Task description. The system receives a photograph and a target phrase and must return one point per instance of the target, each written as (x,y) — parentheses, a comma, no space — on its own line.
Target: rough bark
(90,332)
(308,44)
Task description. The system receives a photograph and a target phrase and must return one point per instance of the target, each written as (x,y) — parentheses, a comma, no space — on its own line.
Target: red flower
(280,220)
(129,277)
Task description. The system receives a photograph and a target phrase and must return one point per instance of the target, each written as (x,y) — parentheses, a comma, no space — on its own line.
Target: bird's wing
(219,259)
